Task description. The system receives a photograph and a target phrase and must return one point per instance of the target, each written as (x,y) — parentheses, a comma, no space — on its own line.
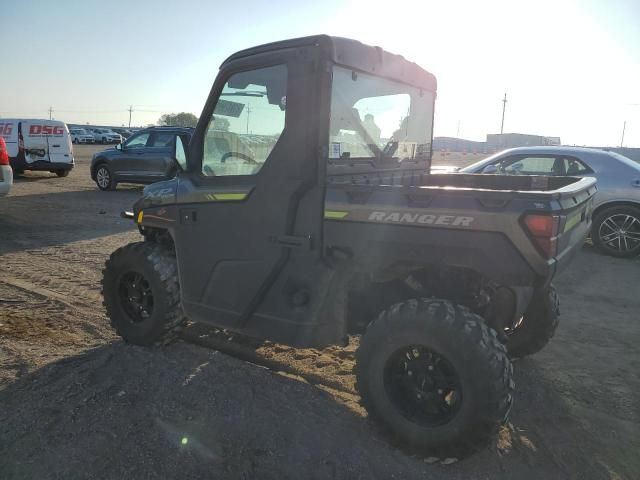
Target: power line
(504,107)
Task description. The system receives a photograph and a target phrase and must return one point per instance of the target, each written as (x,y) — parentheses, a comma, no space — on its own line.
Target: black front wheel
(435,376)
(142,294)
(62,173)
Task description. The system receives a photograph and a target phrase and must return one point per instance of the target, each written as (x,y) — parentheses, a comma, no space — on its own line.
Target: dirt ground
(75,402)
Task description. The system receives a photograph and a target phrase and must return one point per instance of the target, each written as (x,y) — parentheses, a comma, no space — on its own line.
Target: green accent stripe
(229,196)
(572,221)
(335,214)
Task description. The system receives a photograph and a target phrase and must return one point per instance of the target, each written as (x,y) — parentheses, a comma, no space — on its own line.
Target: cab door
(251,204)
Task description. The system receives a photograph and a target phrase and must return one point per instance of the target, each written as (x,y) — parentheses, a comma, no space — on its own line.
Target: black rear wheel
(141,293)
(62,173)
(435,376)
(537,326)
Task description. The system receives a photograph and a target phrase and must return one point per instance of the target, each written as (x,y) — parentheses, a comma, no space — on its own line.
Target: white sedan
(105,135)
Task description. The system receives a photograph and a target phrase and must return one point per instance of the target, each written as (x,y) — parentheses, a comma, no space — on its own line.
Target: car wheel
(62,173)
(616,231)
(104,178)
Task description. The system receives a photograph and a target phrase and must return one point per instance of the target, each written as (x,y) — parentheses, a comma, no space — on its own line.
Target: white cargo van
(38,145)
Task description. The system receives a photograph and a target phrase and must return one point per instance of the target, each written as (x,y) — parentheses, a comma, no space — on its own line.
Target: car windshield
(80,131)
(373,117)
(479,165)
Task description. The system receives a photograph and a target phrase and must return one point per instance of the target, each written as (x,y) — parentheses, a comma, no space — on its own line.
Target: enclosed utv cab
(280,119)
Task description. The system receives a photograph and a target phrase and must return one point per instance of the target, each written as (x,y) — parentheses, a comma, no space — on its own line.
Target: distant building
(452,144)
(632,153)
(499,141)
(495,142)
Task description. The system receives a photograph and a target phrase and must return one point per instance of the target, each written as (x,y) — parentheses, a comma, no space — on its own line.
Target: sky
(570,68)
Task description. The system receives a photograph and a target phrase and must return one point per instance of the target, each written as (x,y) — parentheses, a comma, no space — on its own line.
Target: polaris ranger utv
(303,213)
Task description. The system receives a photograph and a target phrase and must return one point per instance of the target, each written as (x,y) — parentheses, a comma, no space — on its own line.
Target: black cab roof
(352,54)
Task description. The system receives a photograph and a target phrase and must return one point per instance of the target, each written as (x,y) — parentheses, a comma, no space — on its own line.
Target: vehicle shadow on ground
(552,432)
(183,411)
(55,218)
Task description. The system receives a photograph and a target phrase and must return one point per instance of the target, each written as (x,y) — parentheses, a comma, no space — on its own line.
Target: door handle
(290,241)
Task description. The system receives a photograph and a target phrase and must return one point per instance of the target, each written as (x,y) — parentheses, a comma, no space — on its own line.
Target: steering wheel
(242,156)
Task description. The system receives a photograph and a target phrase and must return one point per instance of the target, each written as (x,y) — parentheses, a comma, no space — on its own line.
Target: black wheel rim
(510,330)
(620,233)
(423,385)
(136,297)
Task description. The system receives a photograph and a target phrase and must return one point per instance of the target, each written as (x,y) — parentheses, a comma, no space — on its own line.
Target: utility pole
(130,110)
(458,131)
(504,106)
(624,127)
(248,115)
(50,112)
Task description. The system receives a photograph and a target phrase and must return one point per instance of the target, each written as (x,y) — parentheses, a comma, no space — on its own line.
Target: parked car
(6,174)
(80,135)
(124,132)
(146,157)
(106,135)
(35,144)
(616,218)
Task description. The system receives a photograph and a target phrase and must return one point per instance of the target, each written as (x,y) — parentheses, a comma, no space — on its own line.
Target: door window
(247,122)
(137,141)
(573,166)
(181,155)
(533,165)
(163,139)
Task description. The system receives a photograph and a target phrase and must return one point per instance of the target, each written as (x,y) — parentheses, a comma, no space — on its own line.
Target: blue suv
(146,157)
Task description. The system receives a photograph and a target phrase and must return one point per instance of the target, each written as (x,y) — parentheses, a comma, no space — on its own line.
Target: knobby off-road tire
(142,294)
(471,377)
(538,325)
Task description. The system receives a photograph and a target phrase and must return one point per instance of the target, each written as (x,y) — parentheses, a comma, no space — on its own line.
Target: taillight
(544,232)
(4,155)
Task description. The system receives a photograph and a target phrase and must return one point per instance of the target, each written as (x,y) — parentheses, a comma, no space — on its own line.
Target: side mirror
(118,146)
(490,169)
(180,153)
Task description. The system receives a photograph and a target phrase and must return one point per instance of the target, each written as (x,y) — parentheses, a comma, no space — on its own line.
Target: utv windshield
(376,118)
